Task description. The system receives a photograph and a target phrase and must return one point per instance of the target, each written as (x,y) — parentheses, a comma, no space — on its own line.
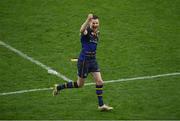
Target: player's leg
(80,81)
(99,91)
(82,74)
(76,84)
(99,87)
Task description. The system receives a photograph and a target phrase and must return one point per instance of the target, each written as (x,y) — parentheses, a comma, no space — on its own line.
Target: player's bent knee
(80,82)
(80,85)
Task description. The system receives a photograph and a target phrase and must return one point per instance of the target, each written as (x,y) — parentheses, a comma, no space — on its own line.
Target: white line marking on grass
(111,81)
(139,78)
(24,91)
(49,69)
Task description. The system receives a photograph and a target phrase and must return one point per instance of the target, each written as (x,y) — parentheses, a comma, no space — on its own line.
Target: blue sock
(99,92)
(68,85)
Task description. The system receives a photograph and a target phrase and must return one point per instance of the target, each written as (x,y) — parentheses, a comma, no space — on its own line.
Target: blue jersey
(89,45)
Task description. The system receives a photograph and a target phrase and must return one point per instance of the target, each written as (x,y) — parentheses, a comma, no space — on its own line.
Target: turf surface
(138,38)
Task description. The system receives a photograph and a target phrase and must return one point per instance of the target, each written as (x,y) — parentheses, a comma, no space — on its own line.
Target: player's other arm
(86,24)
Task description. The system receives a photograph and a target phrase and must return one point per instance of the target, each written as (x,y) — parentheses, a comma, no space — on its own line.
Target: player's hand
(90,16)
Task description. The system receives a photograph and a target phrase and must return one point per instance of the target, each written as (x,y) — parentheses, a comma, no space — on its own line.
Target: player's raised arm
(86,23)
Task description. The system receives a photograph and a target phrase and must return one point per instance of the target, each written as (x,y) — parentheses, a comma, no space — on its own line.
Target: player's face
(94,23)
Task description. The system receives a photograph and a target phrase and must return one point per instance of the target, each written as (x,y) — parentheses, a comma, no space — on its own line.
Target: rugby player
(87,62)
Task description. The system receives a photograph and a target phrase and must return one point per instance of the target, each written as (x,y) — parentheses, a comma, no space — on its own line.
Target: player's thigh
(97,77)
(82,69)
(80,81)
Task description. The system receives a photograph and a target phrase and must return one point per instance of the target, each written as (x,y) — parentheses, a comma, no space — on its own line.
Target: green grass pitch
(138,38)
